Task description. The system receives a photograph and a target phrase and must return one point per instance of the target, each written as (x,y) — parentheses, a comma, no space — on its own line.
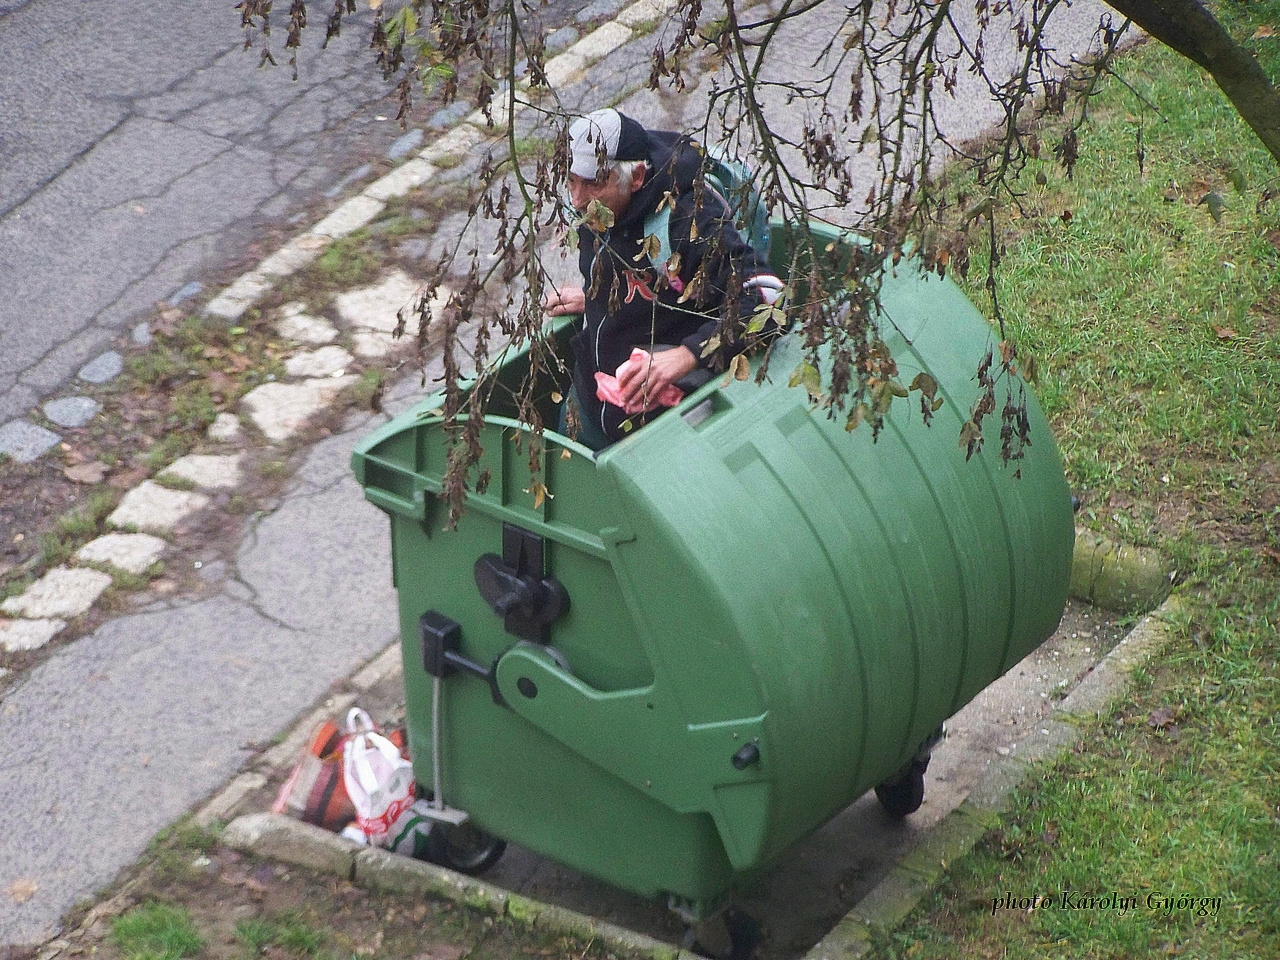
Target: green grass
(1142,311)
(346,262)
(287,931)
(76,528)
(1157,334)
(156,931)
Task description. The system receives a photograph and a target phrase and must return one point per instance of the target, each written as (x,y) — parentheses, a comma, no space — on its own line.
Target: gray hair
(625,168)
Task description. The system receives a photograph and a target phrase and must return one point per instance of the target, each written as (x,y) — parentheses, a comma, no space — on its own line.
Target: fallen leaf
(167,321)
(1161,717)
(1225,333)
(22,890)
(741,367)
(1263,32)
(87,472)
(126,479)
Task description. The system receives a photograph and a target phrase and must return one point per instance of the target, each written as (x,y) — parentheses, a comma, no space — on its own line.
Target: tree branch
(1190,29)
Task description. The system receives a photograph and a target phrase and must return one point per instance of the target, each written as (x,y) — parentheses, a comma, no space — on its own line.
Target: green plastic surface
(760,577)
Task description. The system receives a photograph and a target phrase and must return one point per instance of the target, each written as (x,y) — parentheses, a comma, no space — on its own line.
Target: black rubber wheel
(904,796)
(466,849)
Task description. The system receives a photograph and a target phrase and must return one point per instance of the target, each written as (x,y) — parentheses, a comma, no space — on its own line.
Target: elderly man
(632,302)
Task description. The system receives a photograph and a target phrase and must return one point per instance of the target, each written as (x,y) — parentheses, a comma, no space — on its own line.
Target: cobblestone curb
(890,901)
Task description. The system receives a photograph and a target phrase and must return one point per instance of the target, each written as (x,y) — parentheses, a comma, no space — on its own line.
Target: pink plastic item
(607,388)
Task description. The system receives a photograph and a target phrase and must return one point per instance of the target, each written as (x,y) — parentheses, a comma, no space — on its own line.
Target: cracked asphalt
(140,149)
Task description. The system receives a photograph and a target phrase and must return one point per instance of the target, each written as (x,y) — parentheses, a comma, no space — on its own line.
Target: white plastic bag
(378,780)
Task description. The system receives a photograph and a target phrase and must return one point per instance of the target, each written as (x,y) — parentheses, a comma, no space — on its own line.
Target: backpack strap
(658,224)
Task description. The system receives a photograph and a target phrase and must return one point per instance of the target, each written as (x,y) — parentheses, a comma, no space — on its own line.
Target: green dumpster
(713,636)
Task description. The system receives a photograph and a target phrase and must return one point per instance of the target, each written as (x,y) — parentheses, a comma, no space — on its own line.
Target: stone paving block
(208,471)
(601,42)
(62,592)
(371,344)
(17,635)
(280,838)
(282,409)
(185,292)
(349,217)
(325,362)
(72,411)
(376,306)
(25,442)
(401,180)
(131,552)
(599,8)
(294,255)
(297,324)
(414,248)
(448,116)
(460,140)
(156,509)
(562,38)
(404,144)
(232,302)
(645,11)
(224,429)
(104,367)
(564,69)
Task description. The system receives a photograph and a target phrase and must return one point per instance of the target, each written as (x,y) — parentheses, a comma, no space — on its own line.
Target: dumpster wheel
(903,796)
(464,848)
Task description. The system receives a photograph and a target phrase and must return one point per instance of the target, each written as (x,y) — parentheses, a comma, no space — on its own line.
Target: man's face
(613,191)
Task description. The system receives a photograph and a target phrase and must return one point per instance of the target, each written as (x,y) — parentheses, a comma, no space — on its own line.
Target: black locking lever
(440,640)
(515,589)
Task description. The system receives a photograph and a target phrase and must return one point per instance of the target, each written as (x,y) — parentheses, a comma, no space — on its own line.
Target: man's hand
(565,300)
(660,370)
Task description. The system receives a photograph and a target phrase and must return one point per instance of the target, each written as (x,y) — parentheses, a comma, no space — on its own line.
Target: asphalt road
(141,149)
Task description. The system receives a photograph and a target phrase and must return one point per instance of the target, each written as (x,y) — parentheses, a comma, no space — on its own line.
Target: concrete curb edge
(282,838)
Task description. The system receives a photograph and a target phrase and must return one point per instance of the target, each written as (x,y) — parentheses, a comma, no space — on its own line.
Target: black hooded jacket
(628,303)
